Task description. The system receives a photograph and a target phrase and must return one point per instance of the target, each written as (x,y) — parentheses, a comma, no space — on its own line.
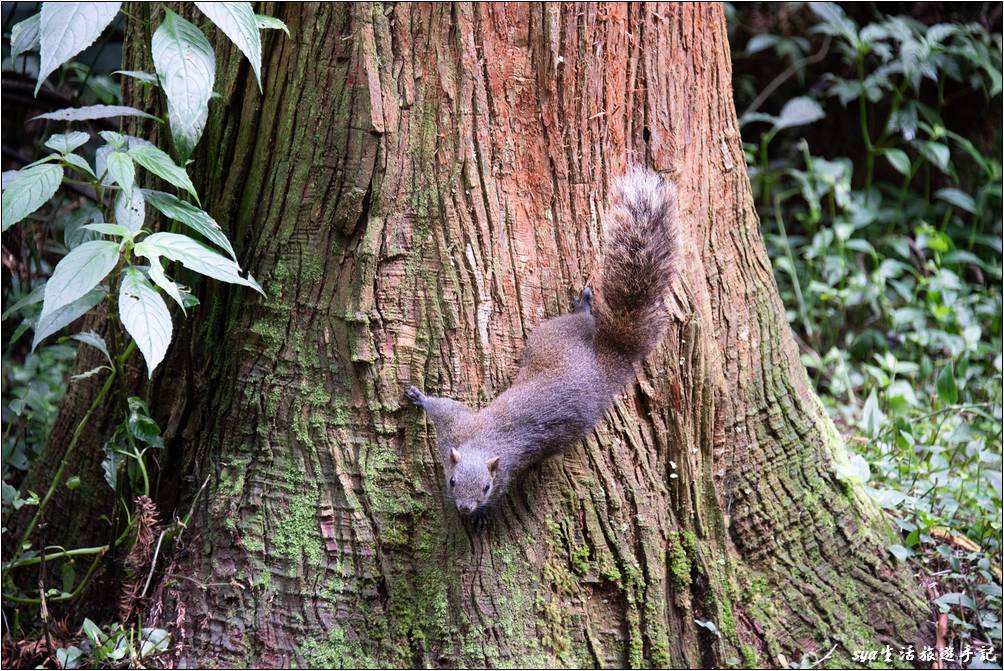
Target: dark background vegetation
(873,136)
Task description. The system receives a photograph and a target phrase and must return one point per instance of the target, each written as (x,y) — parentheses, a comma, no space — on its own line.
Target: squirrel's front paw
(479,519)
(415,396)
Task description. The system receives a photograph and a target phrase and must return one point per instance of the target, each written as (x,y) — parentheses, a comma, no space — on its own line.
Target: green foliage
(113,646)
(110,250)
(887,252)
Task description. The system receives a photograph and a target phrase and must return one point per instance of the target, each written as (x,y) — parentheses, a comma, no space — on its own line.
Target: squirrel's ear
(493,465)
(454,456)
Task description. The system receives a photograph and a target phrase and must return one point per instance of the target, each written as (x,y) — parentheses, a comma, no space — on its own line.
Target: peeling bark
(418,187)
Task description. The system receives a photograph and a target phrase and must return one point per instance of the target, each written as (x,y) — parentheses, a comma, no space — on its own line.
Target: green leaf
(110,464)
(71,484)
(69,658)
(24,36)
(130,211)
(946,601)
(66,315)
(144,77)
(959,199)
(121,169)
(798,112)
(89,373)
(141,425)
(835,21)
(898,159)
(161,165)
(194,256)
(34,296)
(271,23)
(69,576)
(238,22)
(72,223)
(186,66)
(108,229)
(900,553)
(154,641)
(191,216)
(93,632)
(760,42)
(948,389)
(64,143)
(28,191)
(854,471)
(709,625)
(79,162)
(157,276)
(67,28)
(936,153)
(92,112)
(145,316)
(872,416)
(94,340)
(78,272)
(115,140)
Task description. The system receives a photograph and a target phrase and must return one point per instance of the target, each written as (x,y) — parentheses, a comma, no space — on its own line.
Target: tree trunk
(418,187)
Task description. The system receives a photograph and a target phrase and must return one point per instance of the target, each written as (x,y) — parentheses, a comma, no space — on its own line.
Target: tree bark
(417,188)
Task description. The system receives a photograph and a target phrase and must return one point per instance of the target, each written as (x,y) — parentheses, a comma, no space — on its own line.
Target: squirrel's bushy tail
(638,245)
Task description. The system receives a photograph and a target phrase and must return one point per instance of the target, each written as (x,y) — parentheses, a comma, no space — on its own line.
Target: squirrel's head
(470,480)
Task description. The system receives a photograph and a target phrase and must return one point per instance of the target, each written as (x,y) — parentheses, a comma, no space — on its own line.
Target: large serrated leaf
(24,36)
(162,166)
(66,315)
(191,216)
(67,28)
(91,112)
(28,191)
(238,22)
(130,210)
(186,67)
(78,272)
(121,170)
(194,256)
(145,316)
(64,143)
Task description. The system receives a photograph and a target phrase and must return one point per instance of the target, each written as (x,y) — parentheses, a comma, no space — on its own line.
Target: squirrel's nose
(465,508)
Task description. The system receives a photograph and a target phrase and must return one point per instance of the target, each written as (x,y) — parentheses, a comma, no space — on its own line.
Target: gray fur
(573,365)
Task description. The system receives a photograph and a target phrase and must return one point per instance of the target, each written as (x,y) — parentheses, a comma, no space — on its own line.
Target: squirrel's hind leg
(584,303)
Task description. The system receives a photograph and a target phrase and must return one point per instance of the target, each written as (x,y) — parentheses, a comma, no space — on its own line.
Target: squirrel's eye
(486,489)
(453,482)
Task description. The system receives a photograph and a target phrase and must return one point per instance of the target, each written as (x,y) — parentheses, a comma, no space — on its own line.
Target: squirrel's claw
(415,396)
(479,520)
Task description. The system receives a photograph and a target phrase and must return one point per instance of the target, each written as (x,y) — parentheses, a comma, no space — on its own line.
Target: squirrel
(574,365)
